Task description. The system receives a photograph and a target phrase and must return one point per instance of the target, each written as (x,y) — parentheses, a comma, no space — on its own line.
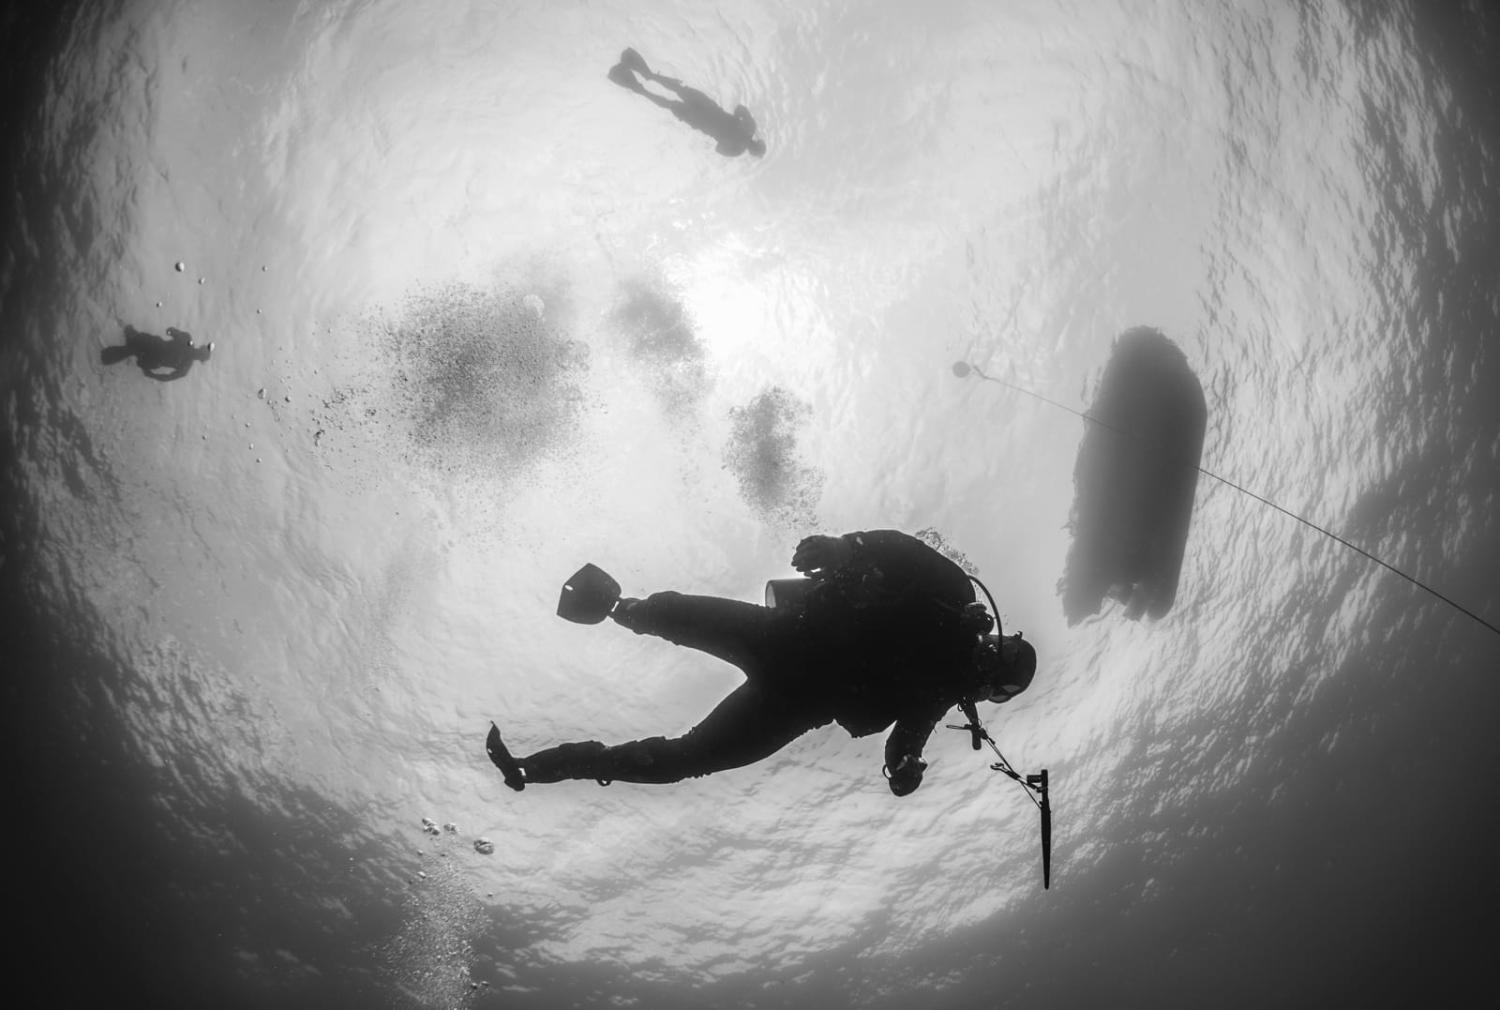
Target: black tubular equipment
(1035,785)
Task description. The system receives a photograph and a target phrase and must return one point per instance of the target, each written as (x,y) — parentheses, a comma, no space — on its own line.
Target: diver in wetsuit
(159,358)
(888,633)
(734,132)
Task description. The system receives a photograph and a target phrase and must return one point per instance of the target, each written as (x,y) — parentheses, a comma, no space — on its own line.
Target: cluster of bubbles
(485,381)
(482,845)
(431,958)
(479,380)
(932,538)
(762,449)
(762,455)
(660,339)
(485,374)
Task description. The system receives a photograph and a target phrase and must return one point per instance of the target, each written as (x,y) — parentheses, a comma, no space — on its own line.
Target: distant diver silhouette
(160,358)
(883,630)
(734,132)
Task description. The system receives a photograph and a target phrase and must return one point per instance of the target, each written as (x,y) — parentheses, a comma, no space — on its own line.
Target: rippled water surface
(480,316)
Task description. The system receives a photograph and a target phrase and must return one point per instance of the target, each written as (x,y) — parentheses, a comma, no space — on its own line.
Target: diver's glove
(817,556)
(906,776)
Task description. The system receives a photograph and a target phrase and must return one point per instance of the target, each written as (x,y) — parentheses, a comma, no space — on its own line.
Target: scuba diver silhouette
(735,132)
(883,630)
(153,353)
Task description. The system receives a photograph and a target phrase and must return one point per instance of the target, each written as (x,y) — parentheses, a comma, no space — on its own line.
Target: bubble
(662,342)
(961,369)
(432,954)
(481,379)
(762,455)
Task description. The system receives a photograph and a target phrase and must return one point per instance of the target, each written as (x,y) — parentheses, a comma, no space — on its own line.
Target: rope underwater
(962,369)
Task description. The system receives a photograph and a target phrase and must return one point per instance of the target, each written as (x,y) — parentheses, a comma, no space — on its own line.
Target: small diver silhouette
(735,132)
(160,358)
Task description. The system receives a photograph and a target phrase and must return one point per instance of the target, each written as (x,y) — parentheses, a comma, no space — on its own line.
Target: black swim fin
(632,60)
(500,757)
(622,76)
(588,597)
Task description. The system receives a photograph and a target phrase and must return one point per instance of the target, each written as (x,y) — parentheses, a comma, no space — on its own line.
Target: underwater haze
(480,315)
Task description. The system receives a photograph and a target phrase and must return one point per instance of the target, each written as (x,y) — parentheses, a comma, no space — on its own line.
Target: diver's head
(1005,665)
(746,122)
(205,351)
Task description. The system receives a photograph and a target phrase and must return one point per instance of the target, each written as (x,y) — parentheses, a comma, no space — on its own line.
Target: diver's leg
(501,757)
(752,723)
(665,103)
(732,630)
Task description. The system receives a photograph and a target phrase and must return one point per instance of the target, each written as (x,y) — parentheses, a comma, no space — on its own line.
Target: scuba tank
(787,593)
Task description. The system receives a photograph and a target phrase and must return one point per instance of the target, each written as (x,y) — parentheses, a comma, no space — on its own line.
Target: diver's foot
(631,59)
(582,760)
(509,767)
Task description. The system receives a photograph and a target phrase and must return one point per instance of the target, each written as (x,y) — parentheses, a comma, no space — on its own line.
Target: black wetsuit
(877,642)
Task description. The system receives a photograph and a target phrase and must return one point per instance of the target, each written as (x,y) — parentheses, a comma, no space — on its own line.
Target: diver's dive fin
(621,75)
(588,597)
(112,355)
(632,59)
(509,766)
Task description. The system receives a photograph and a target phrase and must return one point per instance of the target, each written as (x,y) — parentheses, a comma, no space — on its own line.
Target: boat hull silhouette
(1135,480)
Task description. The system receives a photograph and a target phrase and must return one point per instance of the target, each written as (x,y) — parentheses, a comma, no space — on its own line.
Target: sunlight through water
(480,315)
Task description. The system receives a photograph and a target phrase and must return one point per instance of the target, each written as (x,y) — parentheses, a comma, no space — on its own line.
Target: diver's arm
(819,556)
(903,752)
(897,558)
(904,558)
